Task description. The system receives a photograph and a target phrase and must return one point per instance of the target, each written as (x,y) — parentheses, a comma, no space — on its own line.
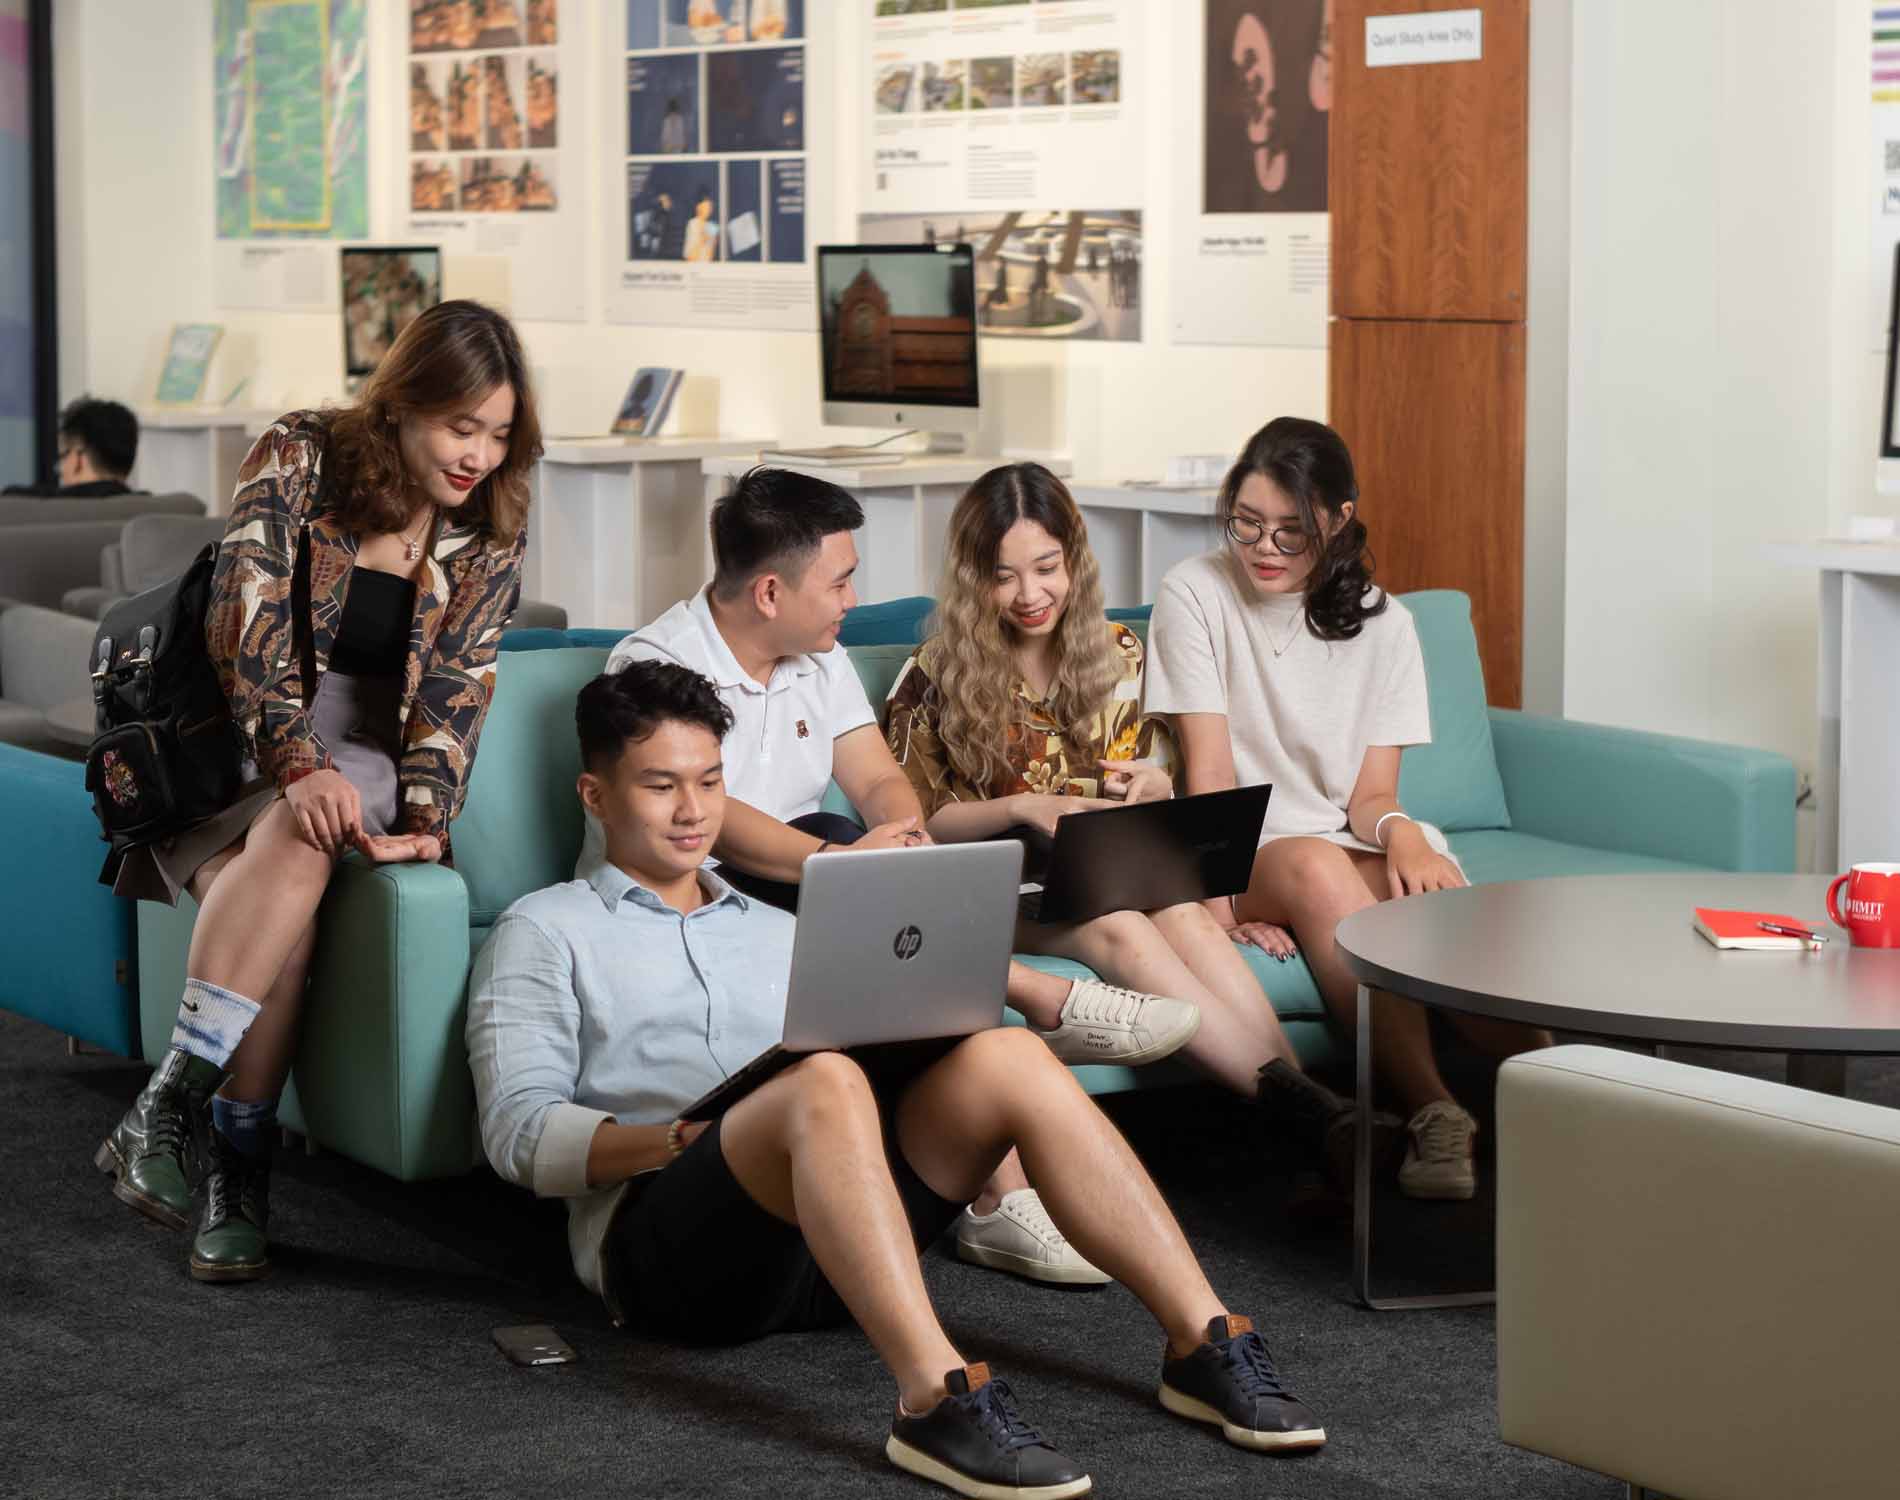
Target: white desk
(1859,697)
(906,513)
(617,532)
(196,449)
(1139,531)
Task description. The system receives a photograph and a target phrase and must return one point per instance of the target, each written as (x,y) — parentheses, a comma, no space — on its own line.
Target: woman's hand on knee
(400,848)
(328,811)
(1271,939)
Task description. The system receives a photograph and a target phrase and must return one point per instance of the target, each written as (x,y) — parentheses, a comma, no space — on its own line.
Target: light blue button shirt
(595,1000)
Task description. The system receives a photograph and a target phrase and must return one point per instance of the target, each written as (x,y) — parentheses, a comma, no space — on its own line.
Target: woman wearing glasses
(1279,661)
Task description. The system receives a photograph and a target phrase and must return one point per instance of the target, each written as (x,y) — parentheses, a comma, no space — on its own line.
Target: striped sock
(212,1021)
(245,1123)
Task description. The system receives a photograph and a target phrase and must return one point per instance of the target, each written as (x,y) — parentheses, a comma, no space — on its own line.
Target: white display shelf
(617,531)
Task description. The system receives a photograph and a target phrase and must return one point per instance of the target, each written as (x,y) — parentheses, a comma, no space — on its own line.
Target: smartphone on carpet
(534,1344)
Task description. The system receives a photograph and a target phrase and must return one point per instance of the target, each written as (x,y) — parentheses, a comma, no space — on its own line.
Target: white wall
(135,118)
(1712,229)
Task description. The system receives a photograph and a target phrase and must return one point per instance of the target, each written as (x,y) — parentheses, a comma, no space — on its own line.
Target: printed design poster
(1252,264)
(493,160)
(707,195)
(1886,164)
(983,115)
(290,147)
(291,102)
(1040,274)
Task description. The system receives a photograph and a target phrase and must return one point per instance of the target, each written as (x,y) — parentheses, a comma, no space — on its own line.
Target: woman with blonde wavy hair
(1024,705)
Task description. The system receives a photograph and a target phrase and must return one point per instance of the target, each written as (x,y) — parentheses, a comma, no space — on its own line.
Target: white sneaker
(1438,1157)
(1021,1238)
(1102,1023)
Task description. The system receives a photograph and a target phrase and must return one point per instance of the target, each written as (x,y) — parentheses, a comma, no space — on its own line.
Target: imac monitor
(897,334)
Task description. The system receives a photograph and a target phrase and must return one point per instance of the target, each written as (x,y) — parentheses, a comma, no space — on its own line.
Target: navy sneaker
(975,1442)
(1230,1383)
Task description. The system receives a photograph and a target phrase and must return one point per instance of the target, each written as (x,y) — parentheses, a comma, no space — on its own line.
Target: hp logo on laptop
(908,943)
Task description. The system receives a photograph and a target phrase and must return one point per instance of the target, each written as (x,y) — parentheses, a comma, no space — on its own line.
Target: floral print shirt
(469,587)
(1040,756)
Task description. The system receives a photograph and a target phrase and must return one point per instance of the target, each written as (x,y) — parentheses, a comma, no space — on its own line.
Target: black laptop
(1146,856)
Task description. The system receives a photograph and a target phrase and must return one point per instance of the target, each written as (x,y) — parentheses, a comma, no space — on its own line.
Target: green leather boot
(150,1151)
(230,1243)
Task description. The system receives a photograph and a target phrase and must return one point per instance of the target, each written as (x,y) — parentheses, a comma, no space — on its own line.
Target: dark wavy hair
(630,704)
(450,357)
(1309,463)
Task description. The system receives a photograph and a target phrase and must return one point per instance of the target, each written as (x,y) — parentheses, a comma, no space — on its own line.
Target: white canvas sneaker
(1021,1238)
(1102,1023)
(1438,1157)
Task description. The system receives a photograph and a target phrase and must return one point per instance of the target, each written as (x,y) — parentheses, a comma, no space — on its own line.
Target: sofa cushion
(156,548)
(1490,854)
(520,828)
(1453,781)
(43,656)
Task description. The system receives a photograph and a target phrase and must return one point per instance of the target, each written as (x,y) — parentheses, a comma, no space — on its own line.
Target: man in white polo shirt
(765,632)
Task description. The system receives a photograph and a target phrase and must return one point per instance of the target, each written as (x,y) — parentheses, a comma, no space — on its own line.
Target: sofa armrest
(1663,795)
(382,1071)
(1741,1238)
(112,567)
(89,601)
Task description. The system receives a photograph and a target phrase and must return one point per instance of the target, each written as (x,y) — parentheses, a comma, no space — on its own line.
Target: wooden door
(1434,416)
(1428,183)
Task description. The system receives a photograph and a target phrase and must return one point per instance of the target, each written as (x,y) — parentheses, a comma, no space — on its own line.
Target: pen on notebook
(1782,930)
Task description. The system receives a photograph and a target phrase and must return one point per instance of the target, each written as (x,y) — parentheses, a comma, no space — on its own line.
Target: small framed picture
(384,288)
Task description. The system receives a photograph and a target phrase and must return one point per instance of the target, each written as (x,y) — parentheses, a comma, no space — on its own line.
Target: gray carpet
(363,1365)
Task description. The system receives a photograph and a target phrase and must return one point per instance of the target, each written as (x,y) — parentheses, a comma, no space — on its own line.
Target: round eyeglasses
(1288,541)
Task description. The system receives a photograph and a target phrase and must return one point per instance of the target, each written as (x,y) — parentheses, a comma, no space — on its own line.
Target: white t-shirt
(1301,711)
(778,755)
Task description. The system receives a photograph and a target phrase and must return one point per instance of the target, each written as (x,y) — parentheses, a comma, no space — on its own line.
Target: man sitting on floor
(600,1008)
(766,633)
(98,444)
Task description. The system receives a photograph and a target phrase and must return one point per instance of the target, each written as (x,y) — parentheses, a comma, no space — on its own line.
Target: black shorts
(694,1260)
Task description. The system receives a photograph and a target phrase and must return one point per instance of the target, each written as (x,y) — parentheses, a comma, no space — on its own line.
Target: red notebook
(1740,929)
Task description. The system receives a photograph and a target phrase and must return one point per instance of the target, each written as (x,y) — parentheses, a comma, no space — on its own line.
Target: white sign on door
(1437,36)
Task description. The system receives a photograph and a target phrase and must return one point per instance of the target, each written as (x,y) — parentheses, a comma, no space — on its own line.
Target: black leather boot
(230,1244)
(151,1151)
(1326,1124)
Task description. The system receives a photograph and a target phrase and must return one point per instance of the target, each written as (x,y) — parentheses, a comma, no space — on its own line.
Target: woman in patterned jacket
(373,557)
(1025,706)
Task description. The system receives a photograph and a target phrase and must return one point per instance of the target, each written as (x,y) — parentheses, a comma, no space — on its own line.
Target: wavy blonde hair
(971,655)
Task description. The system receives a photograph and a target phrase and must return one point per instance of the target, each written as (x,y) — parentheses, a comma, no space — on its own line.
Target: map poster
(707,186)
(291,115)
(494,156)
(1254,240)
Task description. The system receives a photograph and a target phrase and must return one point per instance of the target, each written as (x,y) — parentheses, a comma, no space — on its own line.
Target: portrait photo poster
(1250,262)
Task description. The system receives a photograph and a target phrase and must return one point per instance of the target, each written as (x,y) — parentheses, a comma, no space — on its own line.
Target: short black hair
(106,430)
(630,704)
(773,520)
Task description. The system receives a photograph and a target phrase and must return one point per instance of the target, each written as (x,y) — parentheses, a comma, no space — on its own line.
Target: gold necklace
(1280,649)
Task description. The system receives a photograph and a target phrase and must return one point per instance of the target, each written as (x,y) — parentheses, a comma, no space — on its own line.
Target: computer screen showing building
(897,335)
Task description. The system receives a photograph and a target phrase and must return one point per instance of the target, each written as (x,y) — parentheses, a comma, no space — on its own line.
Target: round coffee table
(1617,956)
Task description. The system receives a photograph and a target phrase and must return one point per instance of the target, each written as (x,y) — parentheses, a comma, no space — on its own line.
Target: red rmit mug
(1872,918)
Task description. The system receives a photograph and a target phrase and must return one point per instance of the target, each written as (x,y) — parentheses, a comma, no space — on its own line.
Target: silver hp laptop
(893,945)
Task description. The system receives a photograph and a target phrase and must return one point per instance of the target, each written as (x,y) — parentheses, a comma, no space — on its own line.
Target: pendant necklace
(1280,648)
(412,545)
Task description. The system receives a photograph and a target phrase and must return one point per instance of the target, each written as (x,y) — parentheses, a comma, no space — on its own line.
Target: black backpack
(166,754)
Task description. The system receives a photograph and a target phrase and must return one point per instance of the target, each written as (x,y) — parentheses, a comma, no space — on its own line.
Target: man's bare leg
(1003,1087)
(808,1147)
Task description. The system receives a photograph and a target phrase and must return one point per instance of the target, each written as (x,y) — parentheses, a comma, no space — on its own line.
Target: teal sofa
(382,1076)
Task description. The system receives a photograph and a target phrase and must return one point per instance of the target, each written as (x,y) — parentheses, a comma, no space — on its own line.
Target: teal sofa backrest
(520,828)
(1452,782)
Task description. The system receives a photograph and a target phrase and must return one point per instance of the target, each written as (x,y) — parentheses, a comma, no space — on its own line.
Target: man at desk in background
(765,632)
(98,444)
